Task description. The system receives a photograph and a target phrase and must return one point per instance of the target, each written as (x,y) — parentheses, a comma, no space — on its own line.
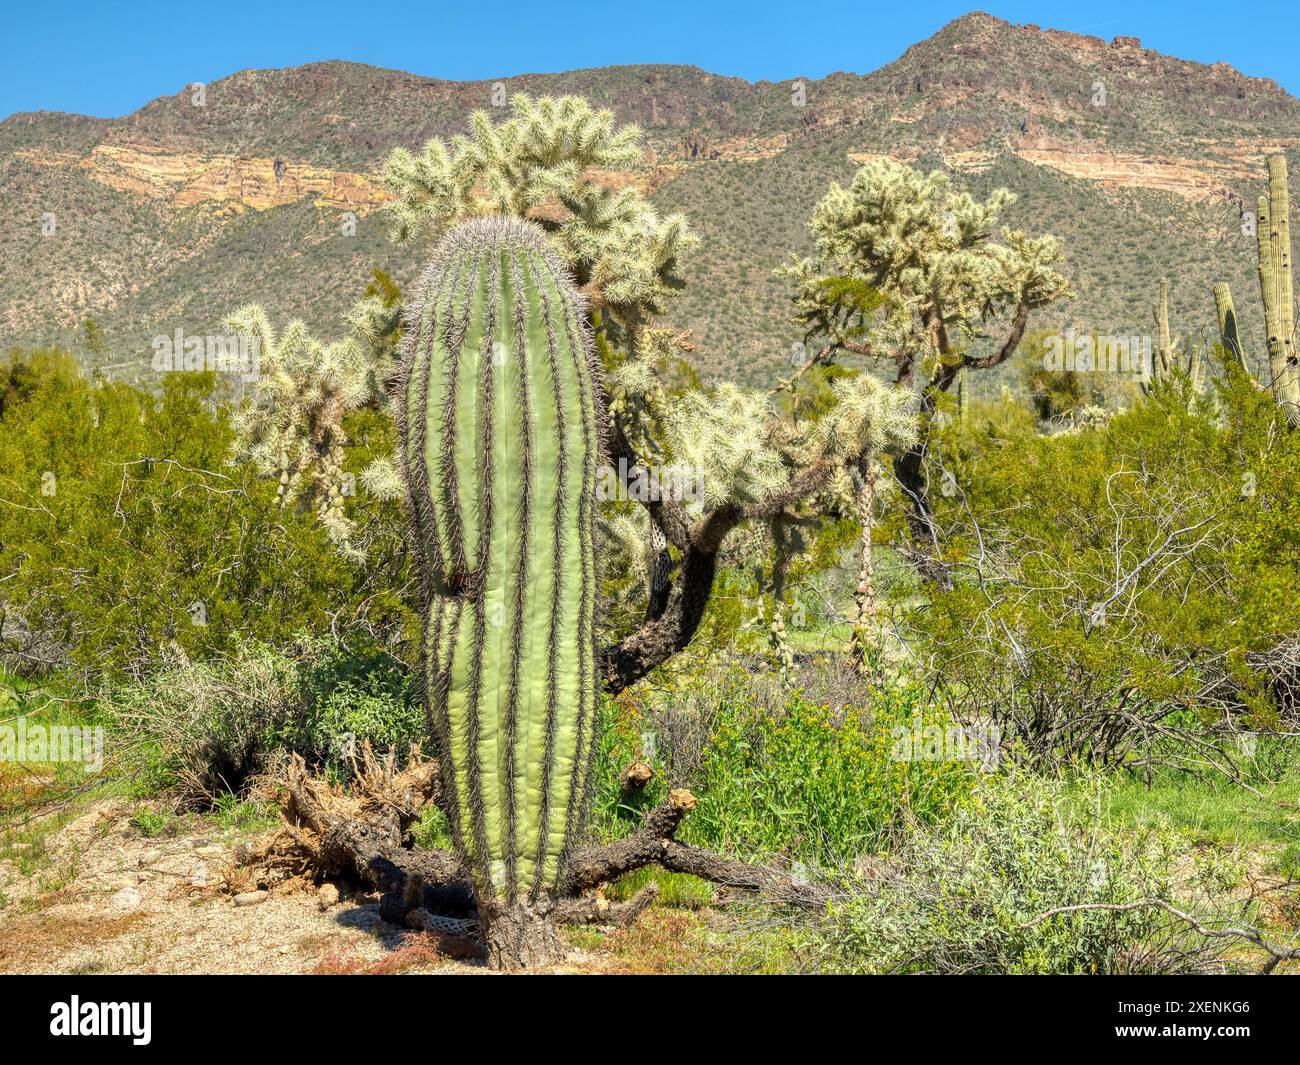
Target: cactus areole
(499,449)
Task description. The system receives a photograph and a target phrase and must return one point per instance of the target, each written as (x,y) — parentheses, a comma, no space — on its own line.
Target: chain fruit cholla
(499,447)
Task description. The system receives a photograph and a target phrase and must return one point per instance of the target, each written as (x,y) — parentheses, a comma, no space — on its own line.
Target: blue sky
(107,59)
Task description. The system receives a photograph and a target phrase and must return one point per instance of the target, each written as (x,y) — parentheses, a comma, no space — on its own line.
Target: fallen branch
(596,909)
(364,835)
(654,844)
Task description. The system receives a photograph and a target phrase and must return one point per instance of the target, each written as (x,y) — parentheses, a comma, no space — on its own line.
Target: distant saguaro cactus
(498,449)
(1273,229)
(1164,360)
(1229,334)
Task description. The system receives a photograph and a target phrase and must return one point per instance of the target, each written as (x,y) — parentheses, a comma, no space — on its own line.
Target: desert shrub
(202,730)
(1055,395)
(1114,586)
(347,697)
(124,530)
(806,775)
(967,894)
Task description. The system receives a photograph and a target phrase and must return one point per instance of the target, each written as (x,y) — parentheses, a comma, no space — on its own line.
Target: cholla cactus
(293,428)
(539,164)
(747,455)
(750,458)
(868,422)
(1085,420)
(725,434)
(642,388)
(928,252)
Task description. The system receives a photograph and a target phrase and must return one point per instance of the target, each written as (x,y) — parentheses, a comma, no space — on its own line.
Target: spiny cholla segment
(499,448)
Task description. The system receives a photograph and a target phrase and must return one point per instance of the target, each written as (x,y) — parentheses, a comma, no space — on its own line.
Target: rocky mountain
(264,186)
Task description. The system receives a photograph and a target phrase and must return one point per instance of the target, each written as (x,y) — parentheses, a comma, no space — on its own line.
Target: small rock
(250,898)
(327,896)
(127,899)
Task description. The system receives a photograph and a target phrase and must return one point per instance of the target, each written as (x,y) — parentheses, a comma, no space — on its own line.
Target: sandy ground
(107,899)
(104,898)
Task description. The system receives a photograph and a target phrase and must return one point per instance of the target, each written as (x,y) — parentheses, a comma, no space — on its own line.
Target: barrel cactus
(498,449)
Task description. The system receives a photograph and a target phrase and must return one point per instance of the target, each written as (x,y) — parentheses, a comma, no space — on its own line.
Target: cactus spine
(1273,228)
(499,447)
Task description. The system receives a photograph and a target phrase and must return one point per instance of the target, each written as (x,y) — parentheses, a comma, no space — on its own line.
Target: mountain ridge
(175,214)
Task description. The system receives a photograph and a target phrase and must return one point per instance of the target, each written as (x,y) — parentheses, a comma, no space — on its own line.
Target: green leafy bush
(808,776)
(1115,586)
(347,697)
(124,530)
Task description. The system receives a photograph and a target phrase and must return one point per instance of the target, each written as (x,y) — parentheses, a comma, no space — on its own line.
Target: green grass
(29,787)
(820,637)
(150,823)
(675,889)
(1218,813)
(240,816)
(231,815)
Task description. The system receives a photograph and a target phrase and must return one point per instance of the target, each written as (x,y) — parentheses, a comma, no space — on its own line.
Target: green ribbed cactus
(1229,335)
(498,449)
(1164,359)
(1273,228)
